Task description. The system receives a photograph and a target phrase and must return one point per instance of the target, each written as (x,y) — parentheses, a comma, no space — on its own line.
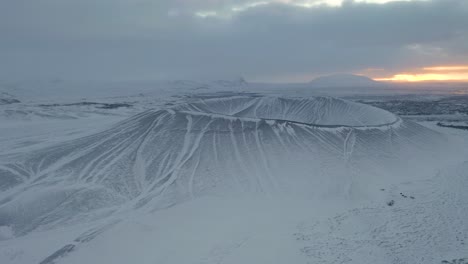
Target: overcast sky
(269,40)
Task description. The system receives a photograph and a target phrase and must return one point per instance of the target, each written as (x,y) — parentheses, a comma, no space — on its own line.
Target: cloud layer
(273,40)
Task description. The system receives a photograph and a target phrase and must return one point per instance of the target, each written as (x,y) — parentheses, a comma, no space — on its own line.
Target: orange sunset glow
(433,73)
(447,68)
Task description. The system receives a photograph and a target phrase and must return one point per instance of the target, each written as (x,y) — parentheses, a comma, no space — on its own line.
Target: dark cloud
(125,39)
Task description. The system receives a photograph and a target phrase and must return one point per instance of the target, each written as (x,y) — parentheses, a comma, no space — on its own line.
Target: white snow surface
(229,178)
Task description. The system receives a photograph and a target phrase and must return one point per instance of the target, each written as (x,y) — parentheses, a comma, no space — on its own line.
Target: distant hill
(344,80)
(6,98)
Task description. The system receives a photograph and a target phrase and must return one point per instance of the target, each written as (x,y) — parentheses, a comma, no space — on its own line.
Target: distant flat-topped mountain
(344,80)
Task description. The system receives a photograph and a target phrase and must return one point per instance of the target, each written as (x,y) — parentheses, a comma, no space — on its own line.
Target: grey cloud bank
(143,39)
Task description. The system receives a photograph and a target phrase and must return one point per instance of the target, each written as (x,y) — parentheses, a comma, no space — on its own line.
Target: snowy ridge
(221,146)
(316,111)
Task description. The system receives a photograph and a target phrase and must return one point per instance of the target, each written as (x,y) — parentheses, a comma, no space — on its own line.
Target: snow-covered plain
(227,172)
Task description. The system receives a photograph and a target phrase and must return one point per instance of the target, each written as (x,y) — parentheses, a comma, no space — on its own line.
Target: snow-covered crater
(222,146)
(314,111)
